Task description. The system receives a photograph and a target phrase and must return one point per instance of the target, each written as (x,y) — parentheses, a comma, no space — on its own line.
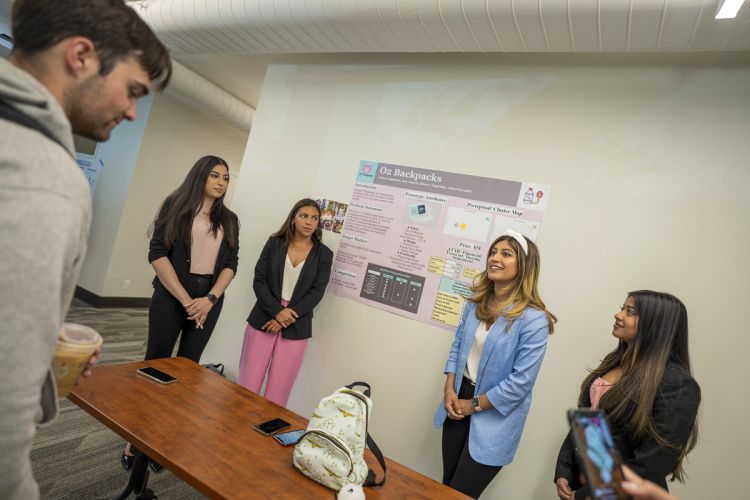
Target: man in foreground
(77,66)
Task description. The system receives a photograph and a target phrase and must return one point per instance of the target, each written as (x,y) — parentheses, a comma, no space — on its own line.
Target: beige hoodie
(45,212)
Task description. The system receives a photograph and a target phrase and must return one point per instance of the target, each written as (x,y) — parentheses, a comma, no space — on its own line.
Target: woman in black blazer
(290,278)
(647,391)
(193,250)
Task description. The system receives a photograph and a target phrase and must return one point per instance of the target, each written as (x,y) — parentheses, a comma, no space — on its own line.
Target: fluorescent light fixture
(728,9)
(6,41)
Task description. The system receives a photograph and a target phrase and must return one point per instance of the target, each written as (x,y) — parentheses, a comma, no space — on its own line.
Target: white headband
(520,239)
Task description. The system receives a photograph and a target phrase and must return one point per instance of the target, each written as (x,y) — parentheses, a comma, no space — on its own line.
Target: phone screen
(158,375)
(272,426)
(597,454)
(289,438)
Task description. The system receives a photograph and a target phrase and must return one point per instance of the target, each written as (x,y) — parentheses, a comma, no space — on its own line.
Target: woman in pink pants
(290,278)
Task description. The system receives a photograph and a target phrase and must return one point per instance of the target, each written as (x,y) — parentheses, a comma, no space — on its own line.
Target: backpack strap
(367,390)
(370,480)
(12,114)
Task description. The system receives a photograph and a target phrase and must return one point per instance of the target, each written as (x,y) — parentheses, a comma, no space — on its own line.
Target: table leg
(138,479)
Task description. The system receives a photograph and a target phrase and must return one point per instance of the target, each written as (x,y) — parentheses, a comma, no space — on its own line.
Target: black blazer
(179,254)
(674,412)
(269,273)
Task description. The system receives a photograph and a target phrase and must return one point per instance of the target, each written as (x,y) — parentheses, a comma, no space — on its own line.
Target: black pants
(167,319)
(460,471)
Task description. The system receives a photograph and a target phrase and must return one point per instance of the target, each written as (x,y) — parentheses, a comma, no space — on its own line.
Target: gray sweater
(45,212)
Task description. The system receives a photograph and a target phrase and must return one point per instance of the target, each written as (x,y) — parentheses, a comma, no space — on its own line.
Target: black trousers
(167,320)
(460,471)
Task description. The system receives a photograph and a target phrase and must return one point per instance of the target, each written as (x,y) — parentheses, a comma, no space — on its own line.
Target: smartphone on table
(597,454)
(156,375)
(272,426)
(289,438)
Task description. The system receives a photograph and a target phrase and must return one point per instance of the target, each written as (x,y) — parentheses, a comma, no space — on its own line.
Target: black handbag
(217,368)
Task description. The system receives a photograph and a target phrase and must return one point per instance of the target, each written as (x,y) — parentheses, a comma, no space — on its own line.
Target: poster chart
(90,166)
(414,239)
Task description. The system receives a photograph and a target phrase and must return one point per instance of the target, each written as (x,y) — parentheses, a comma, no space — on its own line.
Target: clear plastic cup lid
(78,334)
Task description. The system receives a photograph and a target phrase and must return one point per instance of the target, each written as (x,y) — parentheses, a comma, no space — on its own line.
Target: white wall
(118,156)
(175,137)
(649,167)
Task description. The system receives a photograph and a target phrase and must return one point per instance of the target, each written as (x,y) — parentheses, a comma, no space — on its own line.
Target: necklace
(203,217)
(293,246)
(496,302)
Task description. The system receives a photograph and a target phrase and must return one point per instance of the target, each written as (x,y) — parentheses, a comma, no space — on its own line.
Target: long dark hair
(662,337)
(176,213)
(523,291)
(286,231)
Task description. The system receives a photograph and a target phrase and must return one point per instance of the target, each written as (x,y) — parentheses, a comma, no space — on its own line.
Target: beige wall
(118,157)
(649,168)
(176,136)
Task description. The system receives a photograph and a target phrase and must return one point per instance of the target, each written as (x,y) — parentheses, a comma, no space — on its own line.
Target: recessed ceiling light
(728,9)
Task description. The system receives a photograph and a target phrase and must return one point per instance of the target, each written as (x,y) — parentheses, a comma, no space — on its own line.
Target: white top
(475,354)
(291,276)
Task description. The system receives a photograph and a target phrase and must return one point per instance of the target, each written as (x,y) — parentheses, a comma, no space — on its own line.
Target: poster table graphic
(414,239)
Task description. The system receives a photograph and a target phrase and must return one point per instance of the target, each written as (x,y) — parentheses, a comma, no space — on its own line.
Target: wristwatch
(212,298)
(475,404)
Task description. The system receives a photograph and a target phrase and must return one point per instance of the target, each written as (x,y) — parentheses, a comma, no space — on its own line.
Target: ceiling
(231,42)
(340,26)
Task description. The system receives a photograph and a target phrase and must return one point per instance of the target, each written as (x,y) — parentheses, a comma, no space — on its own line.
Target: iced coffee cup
(75,346)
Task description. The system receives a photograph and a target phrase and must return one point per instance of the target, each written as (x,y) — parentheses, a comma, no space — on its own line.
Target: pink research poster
(414,239)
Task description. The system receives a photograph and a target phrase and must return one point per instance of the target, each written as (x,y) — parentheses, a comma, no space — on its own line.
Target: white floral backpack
(331,452)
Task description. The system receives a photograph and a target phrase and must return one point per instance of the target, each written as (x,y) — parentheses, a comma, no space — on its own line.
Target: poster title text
(409,174)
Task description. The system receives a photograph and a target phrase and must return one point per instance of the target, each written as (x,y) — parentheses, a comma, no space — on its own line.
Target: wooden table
(201,429)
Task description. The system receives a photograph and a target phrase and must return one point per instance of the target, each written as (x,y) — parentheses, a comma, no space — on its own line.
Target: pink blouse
(598,388)
(204,248)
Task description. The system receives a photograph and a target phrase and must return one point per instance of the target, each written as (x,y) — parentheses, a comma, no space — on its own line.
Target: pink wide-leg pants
(259,349)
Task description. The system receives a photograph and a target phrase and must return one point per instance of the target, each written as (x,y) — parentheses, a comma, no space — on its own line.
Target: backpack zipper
(361,397)
(337,443)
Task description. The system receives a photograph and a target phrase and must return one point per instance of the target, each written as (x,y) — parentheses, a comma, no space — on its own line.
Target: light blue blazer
(507,371)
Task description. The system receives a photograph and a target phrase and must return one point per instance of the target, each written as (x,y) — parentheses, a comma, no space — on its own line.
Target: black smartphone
(272,426)
(597,454)
(156,375)
(289,438)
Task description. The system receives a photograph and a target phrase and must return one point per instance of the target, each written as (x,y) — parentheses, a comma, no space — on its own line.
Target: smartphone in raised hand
(597,454)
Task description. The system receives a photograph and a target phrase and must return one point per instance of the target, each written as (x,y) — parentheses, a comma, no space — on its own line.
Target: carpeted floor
(76,457)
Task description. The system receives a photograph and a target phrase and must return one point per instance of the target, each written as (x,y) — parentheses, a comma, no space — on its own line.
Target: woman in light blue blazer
(492,366)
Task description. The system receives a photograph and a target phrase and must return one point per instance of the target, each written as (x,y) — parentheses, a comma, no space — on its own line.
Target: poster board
(414,239)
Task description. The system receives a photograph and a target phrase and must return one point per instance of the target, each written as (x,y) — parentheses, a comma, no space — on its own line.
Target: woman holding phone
(290,278)
(492,366)
(193,250)
(647,391)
